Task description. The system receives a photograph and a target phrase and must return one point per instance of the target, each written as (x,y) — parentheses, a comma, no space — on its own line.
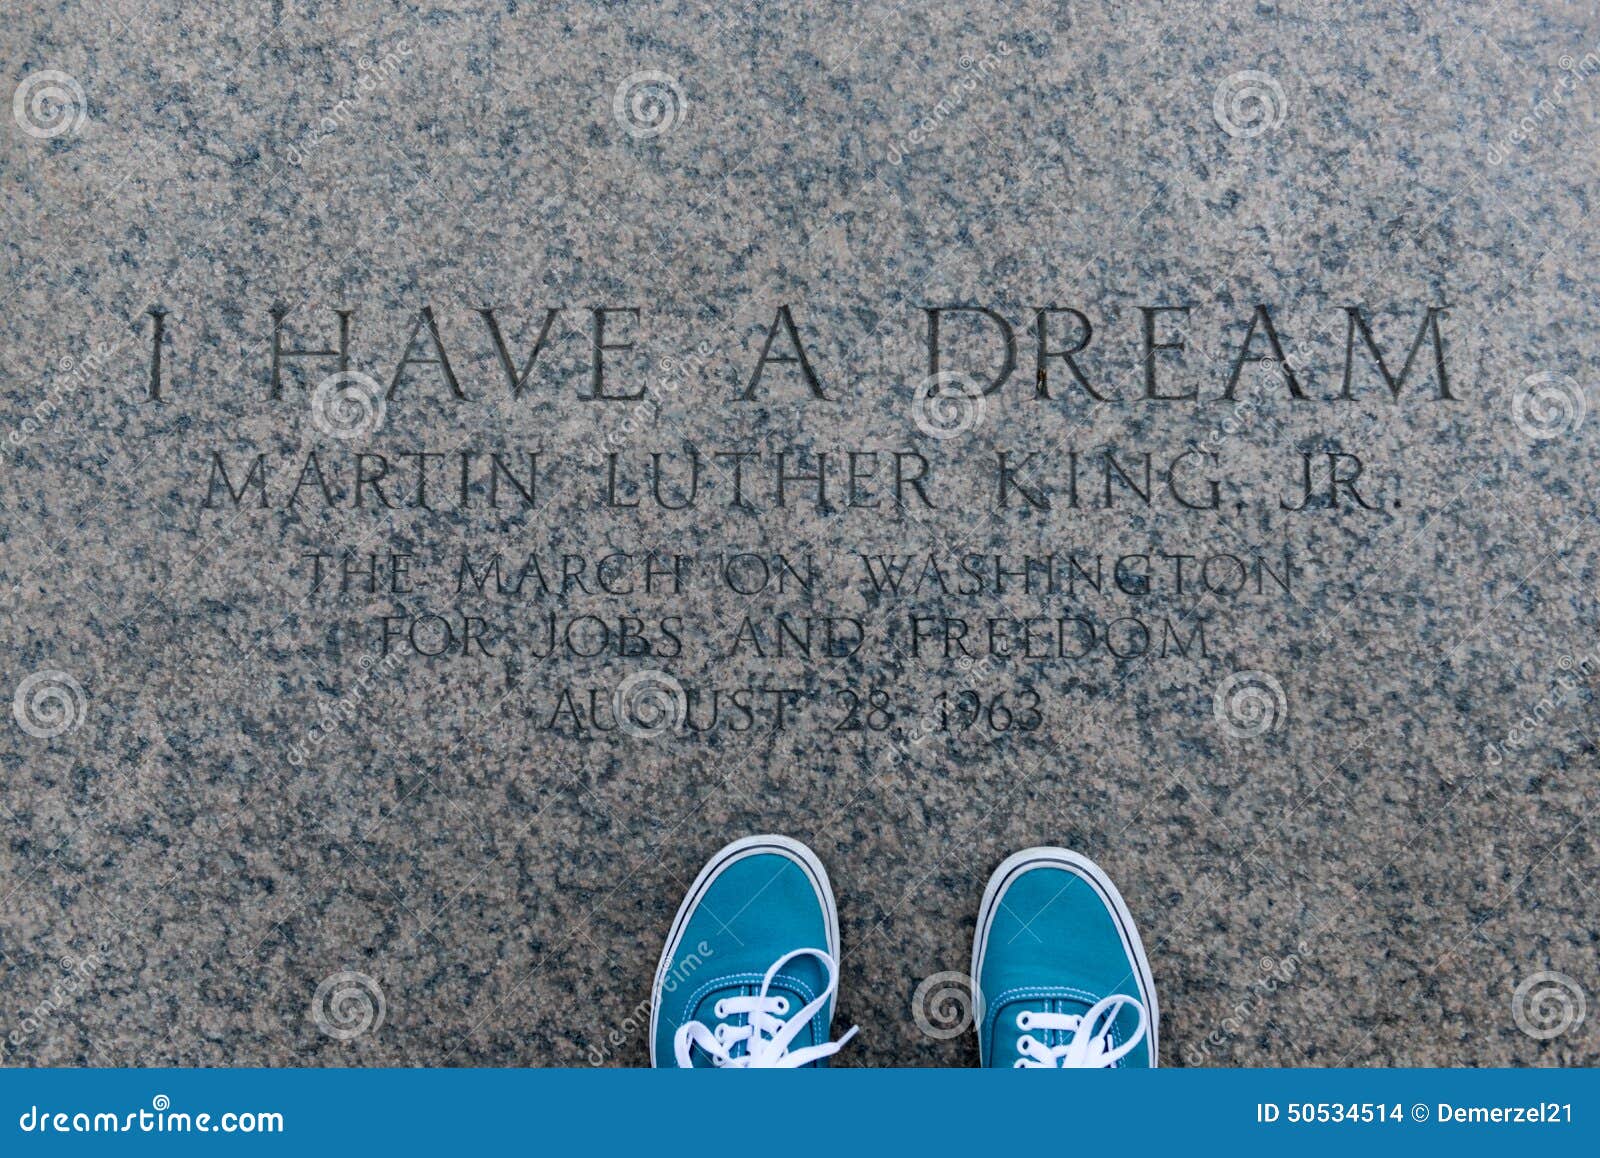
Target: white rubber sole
(732,854)
(1046,857)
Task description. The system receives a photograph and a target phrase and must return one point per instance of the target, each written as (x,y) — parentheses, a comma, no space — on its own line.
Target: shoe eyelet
(1026,1043)
(719,1010)
(1024,1020)
(782,1005)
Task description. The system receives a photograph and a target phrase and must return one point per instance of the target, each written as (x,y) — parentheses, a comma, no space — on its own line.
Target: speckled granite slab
(416,556)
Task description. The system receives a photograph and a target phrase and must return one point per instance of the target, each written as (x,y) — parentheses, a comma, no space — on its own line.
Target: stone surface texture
(247,803)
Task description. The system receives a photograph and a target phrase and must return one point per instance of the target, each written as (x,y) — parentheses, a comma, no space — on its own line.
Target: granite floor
(262,802)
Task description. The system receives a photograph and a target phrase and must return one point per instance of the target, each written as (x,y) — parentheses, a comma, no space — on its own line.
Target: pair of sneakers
(751,966)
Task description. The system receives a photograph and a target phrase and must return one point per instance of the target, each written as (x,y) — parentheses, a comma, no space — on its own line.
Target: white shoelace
(766,1034)
(1090,1047)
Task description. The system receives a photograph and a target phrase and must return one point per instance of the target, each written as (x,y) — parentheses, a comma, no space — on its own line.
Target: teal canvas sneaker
(1059,977)
(751,964)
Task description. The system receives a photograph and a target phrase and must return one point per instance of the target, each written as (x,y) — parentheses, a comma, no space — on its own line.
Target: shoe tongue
(780,987)
(1075,1006)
